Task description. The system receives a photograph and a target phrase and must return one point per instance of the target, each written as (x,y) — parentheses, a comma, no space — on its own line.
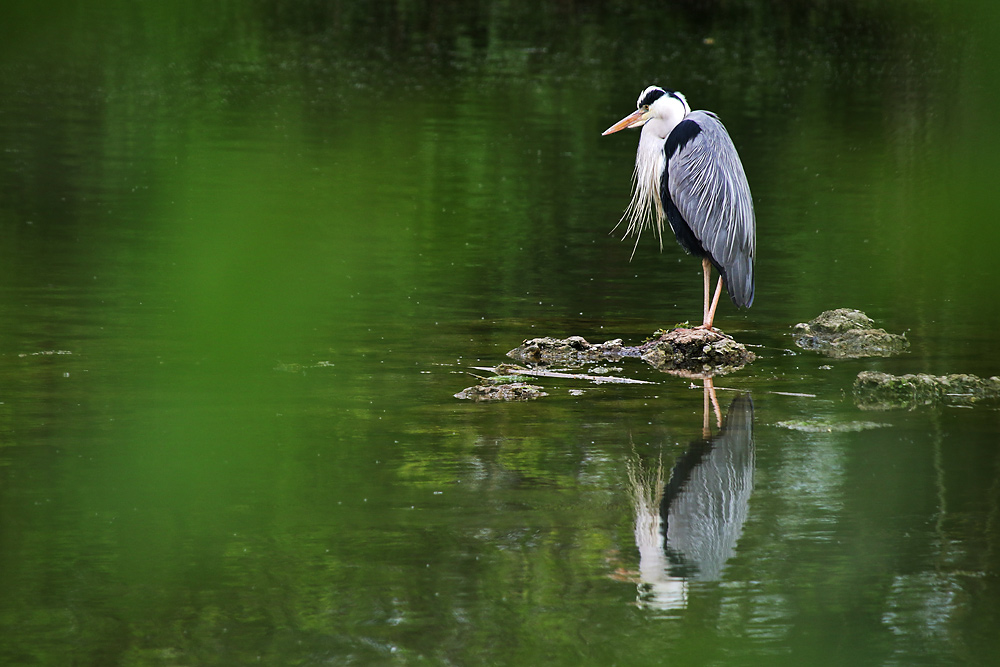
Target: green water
(249,252)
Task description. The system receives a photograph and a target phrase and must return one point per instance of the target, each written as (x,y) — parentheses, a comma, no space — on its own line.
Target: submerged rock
(846,333)
(882,391)
(825,426)
(696,351)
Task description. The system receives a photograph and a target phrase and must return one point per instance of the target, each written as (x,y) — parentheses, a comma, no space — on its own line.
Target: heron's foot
(707,327)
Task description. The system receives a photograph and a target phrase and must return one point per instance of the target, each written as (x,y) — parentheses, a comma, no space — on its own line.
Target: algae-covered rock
(696,351)
(848,333)
(826,426)
(700,351)
(882,391)
(573,350)
(501,388)
(839,320)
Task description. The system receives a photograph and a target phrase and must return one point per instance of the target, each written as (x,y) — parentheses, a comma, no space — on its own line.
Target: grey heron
(688,172)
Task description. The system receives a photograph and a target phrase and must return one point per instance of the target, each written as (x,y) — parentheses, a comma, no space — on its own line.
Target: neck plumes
(646,209)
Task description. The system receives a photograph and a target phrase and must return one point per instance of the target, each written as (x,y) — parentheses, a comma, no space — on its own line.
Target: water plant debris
(504,369)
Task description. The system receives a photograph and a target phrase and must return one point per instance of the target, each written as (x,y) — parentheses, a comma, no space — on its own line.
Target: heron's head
(663,109)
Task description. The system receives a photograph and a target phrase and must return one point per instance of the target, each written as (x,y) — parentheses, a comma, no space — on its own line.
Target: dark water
(249,252)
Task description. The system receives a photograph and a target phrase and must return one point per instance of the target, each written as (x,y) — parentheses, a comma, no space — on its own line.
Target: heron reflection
(687,527)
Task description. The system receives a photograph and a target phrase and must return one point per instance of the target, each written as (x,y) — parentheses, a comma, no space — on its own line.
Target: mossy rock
(882,391)
(695,351)
(826,426)
(848,334)
(501,391)
(574,350)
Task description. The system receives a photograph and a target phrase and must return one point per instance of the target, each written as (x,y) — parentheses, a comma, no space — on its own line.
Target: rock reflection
(687,528)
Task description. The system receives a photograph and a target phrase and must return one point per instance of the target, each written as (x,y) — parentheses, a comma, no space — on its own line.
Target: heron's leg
(710,317)
(706,429)
(710,398)
(706,267)
(715,403)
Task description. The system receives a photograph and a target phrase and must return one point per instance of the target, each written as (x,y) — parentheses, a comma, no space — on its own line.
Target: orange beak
(634,119)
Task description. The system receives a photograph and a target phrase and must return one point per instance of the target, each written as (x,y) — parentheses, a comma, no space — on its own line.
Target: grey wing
(707,184)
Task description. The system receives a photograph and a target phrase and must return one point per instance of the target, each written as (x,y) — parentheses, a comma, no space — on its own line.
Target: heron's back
(707,200)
